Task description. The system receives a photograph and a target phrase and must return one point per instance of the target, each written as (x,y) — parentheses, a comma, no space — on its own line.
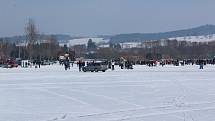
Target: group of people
(111,65)
(122,64)
(36,63)
(80,65)
(177,62)
(125,64)
(66,63)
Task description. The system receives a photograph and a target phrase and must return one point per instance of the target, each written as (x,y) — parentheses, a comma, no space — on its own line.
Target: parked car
(1,64)
(95,66)
(10,64)
(46,62)
(26,63)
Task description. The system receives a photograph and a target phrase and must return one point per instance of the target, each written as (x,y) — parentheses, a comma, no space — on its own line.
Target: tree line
(153,50)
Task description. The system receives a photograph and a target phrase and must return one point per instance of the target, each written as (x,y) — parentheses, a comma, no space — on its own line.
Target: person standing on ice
(66,64)
(72,63)
(66,61)
(79,65)
(112,65)
(201,64)
(38,62)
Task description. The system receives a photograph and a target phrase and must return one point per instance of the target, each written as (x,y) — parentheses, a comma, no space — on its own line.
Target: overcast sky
(96,17)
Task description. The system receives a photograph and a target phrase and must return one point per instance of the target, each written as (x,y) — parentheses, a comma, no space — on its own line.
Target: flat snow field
(142,94)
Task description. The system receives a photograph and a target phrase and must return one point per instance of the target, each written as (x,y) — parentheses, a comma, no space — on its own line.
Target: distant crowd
(101,65)
(176,62)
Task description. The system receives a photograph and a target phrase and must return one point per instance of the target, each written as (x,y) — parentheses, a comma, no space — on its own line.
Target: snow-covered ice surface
(143,94)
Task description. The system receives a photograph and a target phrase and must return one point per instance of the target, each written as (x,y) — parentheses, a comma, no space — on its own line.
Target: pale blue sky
(96,17)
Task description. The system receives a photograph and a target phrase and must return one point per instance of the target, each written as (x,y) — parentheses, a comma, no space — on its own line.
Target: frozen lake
(143,94)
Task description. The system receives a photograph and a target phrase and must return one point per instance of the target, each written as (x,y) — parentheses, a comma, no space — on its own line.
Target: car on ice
(95,67)
(10,64)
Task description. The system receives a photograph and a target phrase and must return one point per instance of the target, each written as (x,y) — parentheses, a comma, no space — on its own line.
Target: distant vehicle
(46,62)
(1,63)
(61,59)
(26,63)
(95,67)
(10,64)
(19,61)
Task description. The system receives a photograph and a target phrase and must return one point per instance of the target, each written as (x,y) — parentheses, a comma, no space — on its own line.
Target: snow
(83,41)
(144,94)
(206,38)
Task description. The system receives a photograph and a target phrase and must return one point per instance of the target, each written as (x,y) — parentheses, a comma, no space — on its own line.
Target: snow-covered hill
(206,38)
(140,37)
(83,41)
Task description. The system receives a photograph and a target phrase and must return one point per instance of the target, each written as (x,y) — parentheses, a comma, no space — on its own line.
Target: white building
(127,45)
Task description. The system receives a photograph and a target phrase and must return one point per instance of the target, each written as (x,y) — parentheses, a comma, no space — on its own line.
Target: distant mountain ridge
(59,37)
(132,37)
(139,37)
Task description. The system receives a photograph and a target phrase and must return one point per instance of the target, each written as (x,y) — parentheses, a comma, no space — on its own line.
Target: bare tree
(31,35)
(51,47)
(1,49)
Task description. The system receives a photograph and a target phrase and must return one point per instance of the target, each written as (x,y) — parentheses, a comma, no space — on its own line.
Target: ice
(166,93)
